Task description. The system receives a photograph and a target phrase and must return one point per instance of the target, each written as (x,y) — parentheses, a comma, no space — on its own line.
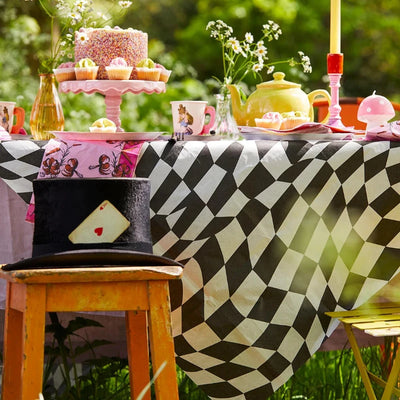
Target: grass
(329,375)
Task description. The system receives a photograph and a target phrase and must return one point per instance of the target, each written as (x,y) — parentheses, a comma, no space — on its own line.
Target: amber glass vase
(47,114)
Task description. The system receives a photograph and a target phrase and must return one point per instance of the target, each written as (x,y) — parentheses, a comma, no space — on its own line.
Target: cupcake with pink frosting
(65,72)
(118,69)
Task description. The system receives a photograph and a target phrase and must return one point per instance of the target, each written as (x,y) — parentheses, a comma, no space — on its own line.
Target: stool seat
(142,292)
(379,319)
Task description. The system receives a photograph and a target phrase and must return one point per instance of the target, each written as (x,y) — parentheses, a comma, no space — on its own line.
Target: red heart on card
(98,231)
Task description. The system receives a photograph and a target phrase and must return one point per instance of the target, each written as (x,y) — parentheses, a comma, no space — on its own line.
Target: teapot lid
(278,83)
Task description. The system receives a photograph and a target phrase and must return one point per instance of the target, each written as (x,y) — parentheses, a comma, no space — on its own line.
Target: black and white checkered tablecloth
(272,235)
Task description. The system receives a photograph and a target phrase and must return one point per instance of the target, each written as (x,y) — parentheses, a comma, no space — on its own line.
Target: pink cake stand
(112,91)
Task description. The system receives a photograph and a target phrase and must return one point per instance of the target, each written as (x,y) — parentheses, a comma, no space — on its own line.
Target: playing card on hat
(104,225)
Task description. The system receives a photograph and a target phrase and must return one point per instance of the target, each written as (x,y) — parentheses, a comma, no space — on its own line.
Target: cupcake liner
(64,74)
(164,75)
(86,73)
(120,73)
(148,74)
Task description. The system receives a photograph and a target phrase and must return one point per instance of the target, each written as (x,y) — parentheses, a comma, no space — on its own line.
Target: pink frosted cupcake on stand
(119,69)
(65,72)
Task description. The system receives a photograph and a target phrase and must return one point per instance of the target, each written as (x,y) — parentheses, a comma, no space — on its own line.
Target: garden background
(178,39)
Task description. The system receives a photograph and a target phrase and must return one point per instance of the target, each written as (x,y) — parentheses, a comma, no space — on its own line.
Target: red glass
(335,63)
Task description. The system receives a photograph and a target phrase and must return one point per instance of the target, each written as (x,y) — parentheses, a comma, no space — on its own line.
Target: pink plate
(91,136)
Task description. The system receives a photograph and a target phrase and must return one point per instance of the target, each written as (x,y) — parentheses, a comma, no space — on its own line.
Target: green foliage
(328,375)
(179,40)
(331,375)
(101,377)
(61,352)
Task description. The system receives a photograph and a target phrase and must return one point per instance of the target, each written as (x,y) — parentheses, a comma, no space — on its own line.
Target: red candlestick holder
(335,72)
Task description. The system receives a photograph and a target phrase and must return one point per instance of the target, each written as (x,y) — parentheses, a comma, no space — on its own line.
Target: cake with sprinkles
(102,45)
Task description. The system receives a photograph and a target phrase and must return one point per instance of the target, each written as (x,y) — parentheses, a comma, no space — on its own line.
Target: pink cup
(188,117)
(7,112)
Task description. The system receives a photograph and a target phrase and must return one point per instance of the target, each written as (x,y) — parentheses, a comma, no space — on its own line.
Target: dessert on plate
(65,72)
(164,73)
(102,45)
(103,125)
(86,69)
(270,120)
(119,69)
(292,119)
(146,70)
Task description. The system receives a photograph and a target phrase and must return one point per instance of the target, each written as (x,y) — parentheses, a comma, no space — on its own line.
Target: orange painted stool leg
(24,342)
(33,344)
(138,352)
(12,353)
(161,340)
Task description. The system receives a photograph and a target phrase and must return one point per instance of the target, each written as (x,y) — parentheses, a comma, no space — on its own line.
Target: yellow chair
(142,292)
(349,111)
(380,319)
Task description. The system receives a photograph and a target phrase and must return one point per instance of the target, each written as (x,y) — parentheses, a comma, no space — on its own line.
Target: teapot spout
(238,108)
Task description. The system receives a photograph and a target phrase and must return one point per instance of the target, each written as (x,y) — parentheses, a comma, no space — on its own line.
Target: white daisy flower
(233,43)
(81,37)
(80,5)
(257,67)
(125,4)
(249,37)
(260,51)
(236,47)
(75,16)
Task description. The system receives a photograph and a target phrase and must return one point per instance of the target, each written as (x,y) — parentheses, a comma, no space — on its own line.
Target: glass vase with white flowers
(241,57)
(66,17)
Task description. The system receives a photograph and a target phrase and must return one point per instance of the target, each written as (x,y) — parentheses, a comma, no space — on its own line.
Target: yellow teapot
(277,95)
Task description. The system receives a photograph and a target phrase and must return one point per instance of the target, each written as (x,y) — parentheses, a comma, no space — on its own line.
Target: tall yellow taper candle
(335,27)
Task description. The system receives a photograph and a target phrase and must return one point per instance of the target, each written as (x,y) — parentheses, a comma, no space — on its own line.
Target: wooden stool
(380,319)
(139,291)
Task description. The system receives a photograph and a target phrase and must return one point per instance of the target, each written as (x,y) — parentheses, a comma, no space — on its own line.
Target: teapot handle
(311,98)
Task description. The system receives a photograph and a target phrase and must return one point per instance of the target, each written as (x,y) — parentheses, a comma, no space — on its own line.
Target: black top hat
(91,222)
